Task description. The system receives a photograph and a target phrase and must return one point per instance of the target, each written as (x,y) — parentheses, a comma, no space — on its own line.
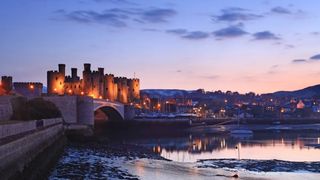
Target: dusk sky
(238,45)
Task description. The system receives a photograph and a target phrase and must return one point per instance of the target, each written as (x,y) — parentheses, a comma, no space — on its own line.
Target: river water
(264,154)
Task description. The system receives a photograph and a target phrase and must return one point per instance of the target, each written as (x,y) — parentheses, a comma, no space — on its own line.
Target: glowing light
(70,91)
(100,97)
(55,89)
(82,93)
(31,86)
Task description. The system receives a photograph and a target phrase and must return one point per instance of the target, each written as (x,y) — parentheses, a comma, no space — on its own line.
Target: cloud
(280,10)
(195,35)
(110,17)
(289,46)
(315,57)
(158,15)
(265,35)
(118,17)
(117,2)
(150,30)
(191,35)
(311,59)
(299,61)
(234,14)
(177,31)
(210,77)
(229,32)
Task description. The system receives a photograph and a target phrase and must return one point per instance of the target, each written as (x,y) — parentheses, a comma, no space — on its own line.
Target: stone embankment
(21,143)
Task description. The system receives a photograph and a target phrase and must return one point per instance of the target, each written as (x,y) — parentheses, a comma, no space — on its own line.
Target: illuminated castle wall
(93,83)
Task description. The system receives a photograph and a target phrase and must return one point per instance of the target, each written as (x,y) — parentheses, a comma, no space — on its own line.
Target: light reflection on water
(261,146)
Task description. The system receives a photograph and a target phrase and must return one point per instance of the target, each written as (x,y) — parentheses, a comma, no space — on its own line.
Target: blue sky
(238,45)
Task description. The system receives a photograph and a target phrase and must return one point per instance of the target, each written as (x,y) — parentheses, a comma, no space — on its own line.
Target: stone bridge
(79,110)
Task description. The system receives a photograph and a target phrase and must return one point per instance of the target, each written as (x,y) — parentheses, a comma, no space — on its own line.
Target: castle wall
(6,84)
(109,87)
(97,85)
(55,82)
(73,88)
(28,89)
(122,89)
(115,91)
(133,90)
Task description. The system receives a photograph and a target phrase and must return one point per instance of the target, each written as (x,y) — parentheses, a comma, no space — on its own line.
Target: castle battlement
(27,84)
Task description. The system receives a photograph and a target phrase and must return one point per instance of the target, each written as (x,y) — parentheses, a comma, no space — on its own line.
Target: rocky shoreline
(99,160)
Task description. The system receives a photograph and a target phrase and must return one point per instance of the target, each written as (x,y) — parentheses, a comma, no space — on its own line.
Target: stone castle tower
(6,84)
(56,80)
(94,83)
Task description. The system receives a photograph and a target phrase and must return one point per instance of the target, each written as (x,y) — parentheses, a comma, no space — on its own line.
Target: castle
(93,83)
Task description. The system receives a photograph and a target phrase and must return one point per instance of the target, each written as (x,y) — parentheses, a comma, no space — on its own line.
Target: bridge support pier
(77,112)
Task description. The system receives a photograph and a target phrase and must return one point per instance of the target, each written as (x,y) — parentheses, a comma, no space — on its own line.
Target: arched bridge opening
(107,113)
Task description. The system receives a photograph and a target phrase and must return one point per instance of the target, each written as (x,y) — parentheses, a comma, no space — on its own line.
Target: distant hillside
(303,93)
(165,92)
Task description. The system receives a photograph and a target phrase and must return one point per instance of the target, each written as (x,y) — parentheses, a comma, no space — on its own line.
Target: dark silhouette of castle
(93,83)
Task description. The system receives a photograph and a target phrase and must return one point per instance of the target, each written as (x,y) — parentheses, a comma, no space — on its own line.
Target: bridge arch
(114,110)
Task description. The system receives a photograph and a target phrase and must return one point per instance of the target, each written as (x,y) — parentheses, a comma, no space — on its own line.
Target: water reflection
(262,146)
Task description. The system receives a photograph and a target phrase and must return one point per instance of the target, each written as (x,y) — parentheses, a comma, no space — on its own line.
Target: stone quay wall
(21,143)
